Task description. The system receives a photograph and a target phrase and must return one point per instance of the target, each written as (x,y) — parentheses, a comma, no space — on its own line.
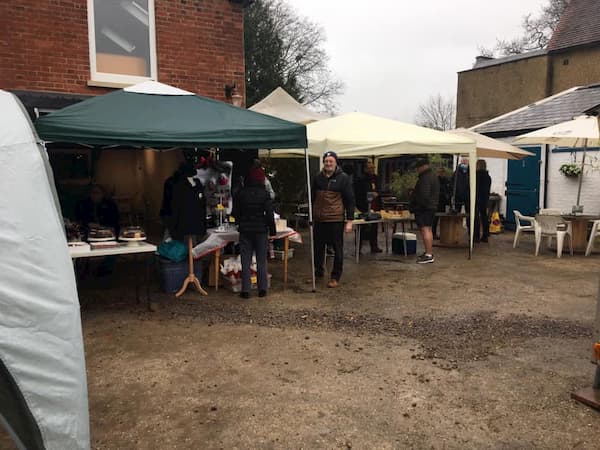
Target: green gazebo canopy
(153,114)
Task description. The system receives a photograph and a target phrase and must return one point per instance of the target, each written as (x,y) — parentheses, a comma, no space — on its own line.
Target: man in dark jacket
(424,204)
(253,212)
(483,183)
(333,203)
(364,186)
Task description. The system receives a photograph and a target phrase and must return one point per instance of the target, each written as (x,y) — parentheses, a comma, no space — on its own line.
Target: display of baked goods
(395,214)
(132,233)
(103,233)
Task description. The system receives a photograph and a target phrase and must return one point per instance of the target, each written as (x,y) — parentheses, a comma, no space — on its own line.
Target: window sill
(109,84)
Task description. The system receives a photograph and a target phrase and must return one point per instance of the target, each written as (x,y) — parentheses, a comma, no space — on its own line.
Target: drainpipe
(546,156)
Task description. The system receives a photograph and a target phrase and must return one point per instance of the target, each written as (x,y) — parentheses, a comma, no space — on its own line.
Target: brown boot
(333,283)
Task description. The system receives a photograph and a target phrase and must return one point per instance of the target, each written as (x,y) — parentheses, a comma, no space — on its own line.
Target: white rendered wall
(562,190)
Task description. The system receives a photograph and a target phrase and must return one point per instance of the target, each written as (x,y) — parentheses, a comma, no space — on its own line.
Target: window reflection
(122,37)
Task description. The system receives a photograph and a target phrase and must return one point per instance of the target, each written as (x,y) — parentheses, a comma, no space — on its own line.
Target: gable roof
(578,25)
(549,111)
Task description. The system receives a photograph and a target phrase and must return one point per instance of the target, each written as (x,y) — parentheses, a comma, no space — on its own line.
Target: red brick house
(56,52)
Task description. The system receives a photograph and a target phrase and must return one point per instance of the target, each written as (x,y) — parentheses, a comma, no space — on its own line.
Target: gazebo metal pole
(310,221)
(581,174)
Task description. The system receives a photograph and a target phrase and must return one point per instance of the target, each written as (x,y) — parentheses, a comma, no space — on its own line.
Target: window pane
(122,37)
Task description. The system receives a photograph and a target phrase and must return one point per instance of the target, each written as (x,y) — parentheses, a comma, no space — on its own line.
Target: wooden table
(452,232)
(579,224)
(122,249)
(234,236)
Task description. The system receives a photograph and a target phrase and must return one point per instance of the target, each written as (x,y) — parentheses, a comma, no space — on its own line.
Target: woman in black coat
(483,186)
(253,212)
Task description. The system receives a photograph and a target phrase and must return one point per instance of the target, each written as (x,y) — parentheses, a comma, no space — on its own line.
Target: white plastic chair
(551,226)
(519,219)
(595,232)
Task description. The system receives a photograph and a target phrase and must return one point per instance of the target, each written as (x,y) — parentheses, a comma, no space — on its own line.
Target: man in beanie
(333,211)
(253,212)
(424,203)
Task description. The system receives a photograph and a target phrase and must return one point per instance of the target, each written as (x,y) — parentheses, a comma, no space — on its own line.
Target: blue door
(523,186)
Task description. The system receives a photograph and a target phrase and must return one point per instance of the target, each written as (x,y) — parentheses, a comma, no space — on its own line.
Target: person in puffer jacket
(333,211)
(253,212)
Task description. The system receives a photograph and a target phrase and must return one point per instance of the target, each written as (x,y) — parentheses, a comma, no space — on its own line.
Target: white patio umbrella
(582,131)
(488,147)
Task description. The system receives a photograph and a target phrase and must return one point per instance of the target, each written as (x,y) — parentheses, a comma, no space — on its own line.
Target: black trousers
(370,234)
(329,233)
(254,243)
(481,221)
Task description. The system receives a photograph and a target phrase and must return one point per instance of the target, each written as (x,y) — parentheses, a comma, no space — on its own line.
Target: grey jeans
(254,243)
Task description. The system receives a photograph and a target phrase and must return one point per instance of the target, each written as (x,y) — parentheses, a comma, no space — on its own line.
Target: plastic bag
(173,250)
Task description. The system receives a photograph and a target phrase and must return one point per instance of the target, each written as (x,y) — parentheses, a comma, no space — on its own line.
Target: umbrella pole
(581,174)
(310,221)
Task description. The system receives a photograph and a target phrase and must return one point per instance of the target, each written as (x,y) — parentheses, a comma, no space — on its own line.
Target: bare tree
(437,113)
(284,49)
(537,31)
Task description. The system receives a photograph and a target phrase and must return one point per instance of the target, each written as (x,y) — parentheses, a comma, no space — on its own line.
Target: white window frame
(103,77)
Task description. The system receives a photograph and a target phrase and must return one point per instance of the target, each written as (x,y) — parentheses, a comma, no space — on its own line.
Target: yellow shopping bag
(495,224)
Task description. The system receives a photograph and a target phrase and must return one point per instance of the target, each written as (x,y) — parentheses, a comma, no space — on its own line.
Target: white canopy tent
(488,147)
(43,389)
(363,135)
(282,105)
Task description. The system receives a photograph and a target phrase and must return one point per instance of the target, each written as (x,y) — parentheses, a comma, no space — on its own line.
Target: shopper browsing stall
(333,211)
(253,212)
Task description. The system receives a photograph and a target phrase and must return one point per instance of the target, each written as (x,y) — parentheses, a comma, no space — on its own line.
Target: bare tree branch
(537,31)
(284,49)
(437,113)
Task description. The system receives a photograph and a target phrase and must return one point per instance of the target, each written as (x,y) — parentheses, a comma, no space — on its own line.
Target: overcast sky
(393,54)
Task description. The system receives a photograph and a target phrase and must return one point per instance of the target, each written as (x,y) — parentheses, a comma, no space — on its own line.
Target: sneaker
(333,283)
(245,295)
(425,259)
(484,239)
(262,293)
(376,250)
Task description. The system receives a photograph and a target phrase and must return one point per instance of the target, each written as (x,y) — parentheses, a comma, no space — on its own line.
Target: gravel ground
(456,354)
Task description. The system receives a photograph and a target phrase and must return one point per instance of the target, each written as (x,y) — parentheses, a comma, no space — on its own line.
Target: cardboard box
(280,225)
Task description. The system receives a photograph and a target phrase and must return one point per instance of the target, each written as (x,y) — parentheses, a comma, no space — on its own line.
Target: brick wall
(562,190)
(488,92)
(199,45)
(577,67)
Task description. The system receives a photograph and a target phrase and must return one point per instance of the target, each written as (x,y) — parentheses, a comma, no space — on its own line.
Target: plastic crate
(172,274)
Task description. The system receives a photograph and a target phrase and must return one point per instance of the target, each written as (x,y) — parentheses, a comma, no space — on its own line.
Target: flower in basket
(570,169)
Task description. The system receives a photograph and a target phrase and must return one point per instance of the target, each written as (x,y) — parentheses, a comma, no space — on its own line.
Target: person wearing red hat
(253,212)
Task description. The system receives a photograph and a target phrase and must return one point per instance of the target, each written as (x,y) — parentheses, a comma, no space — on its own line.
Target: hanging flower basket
(570,170)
